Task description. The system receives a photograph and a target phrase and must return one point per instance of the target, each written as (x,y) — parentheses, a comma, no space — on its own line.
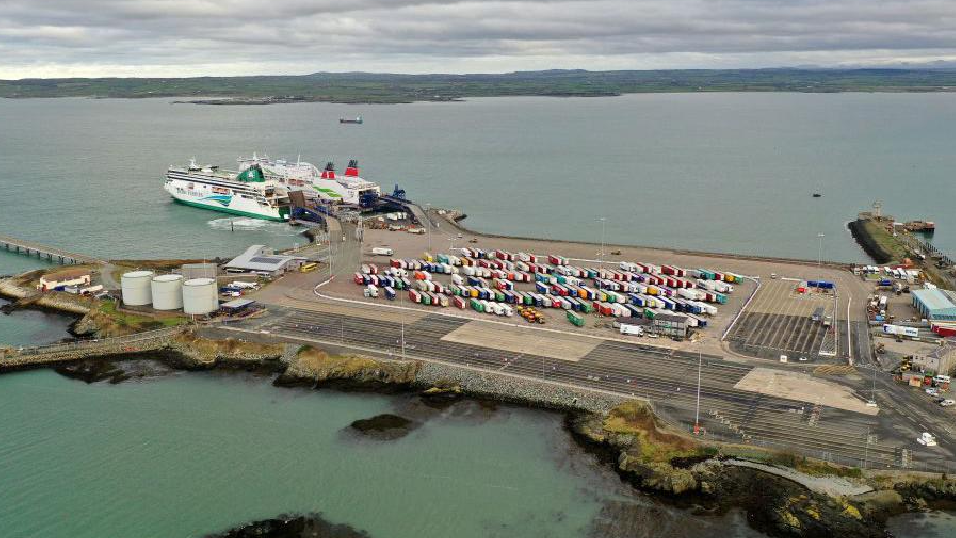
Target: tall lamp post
(603,229)
(820,253)
(700,361)
(428,226)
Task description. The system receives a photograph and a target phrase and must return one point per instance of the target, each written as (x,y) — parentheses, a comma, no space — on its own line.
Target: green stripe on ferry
(328,192)
(283,216)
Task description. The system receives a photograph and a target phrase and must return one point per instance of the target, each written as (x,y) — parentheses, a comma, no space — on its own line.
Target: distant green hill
(391,88)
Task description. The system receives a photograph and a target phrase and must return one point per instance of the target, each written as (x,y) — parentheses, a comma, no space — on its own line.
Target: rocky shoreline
(622,433)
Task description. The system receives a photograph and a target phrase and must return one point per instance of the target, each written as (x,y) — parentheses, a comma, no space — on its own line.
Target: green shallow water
(189,454)
(24,327)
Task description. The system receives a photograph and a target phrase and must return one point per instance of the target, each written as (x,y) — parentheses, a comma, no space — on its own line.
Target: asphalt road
(666,378)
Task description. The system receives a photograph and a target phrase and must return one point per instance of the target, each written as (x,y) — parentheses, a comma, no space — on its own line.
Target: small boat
(356,120)
(817,195)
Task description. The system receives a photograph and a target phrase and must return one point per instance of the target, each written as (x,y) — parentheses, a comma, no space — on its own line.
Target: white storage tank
(200,296)
(167,292)
(136,288)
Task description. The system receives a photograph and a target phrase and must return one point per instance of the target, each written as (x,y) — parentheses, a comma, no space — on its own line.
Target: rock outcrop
(195,353)
(655,460)
(313,367)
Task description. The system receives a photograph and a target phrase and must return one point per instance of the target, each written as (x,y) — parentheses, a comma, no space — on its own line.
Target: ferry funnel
(352,170)
(329,172)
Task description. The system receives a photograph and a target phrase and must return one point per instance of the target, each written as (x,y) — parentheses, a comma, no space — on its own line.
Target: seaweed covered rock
(313,367)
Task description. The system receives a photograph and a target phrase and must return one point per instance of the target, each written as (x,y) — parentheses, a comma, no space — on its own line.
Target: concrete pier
(42,356)
(29,248)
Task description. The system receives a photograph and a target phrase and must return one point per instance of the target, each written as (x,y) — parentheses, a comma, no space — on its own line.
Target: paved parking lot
(522,340)
(779,321)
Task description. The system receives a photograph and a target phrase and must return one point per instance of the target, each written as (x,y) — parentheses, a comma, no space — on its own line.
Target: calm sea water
(720,172)
(196,453)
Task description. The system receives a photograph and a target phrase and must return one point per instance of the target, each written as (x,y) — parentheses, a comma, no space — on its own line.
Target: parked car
(947,403)
(932,391)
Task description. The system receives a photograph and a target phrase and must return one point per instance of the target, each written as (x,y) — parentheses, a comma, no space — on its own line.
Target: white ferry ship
(248,192)
(349,188)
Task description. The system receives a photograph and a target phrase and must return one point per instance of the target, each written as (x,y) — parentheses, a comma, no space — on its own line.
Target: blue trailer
(636,312)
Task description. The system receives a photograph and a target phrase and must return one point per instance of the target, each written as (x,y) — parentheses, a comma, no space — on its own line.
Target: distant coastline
(372,88)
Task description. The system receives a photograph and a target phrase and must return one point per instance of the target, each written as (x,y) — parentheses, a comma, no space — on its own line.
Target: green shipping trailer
(575,319)
(648,313)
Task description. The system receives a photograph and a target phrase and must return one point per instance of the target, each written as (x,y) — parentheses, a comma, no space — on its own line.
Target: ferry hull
(195,194)
(200,205)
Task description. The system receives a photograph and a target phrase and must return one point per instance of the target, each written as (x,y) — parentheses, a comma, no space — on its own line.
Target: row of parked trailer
(892,272)
(612,304)
(480,278)
(504,303)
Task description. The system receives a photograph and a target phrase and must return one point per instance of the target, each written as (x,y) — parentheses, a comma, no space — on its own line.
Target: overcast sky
(61,38)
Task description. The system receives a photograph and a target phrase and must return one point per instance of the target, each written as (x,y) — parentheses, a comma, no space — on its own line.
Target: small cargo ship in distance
(247,192)
(356,120)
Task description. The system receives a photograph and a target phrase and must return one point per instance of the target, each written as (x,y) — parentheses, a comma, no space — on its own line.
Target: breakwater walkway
(29,248)
(38,356)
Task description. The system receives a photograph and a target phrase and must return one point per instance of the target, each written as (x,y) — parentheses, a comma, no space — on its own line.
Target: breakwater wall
(511,389)
(65,353)
(870,245)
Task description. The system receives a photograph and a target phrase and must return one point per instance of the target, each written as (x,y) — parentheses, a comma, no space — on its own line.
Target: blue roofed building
(935,304)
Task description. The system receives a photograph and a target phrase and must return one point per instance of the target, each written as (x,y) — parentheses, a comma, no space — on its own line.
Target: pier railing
(54,254)
(85,345)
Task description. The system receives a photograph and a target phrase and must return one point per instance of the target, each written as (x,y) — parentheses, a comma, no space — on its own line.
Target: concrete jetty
(29,248)
(39,356)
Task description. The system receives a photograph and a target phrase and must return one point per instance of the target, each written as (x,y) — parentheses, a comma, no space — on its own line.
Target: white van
(783,358)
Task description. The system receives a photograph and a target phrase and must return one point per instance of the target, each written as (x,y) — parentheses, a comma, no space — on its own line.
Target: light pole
(428,226)
(866,446)
(700,360)
(401,301)
(331,257)
(820,254)
(603,227)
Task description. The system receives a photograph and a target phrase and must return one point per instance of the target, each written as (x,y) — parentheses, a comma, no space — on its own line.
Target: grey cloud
(363,34)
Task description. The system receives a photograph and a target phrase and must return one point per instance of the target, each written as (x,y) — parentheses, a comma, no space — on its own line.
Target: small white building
(260,260)
(68,277)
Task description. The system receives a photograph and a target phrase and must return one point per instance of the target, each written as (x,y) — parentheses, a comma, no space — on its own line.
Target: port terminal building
(935,304)
(260,260)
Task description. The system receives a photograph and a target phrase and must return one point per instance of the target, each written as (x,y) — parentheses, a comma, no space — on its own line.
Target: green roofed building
(935,304)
